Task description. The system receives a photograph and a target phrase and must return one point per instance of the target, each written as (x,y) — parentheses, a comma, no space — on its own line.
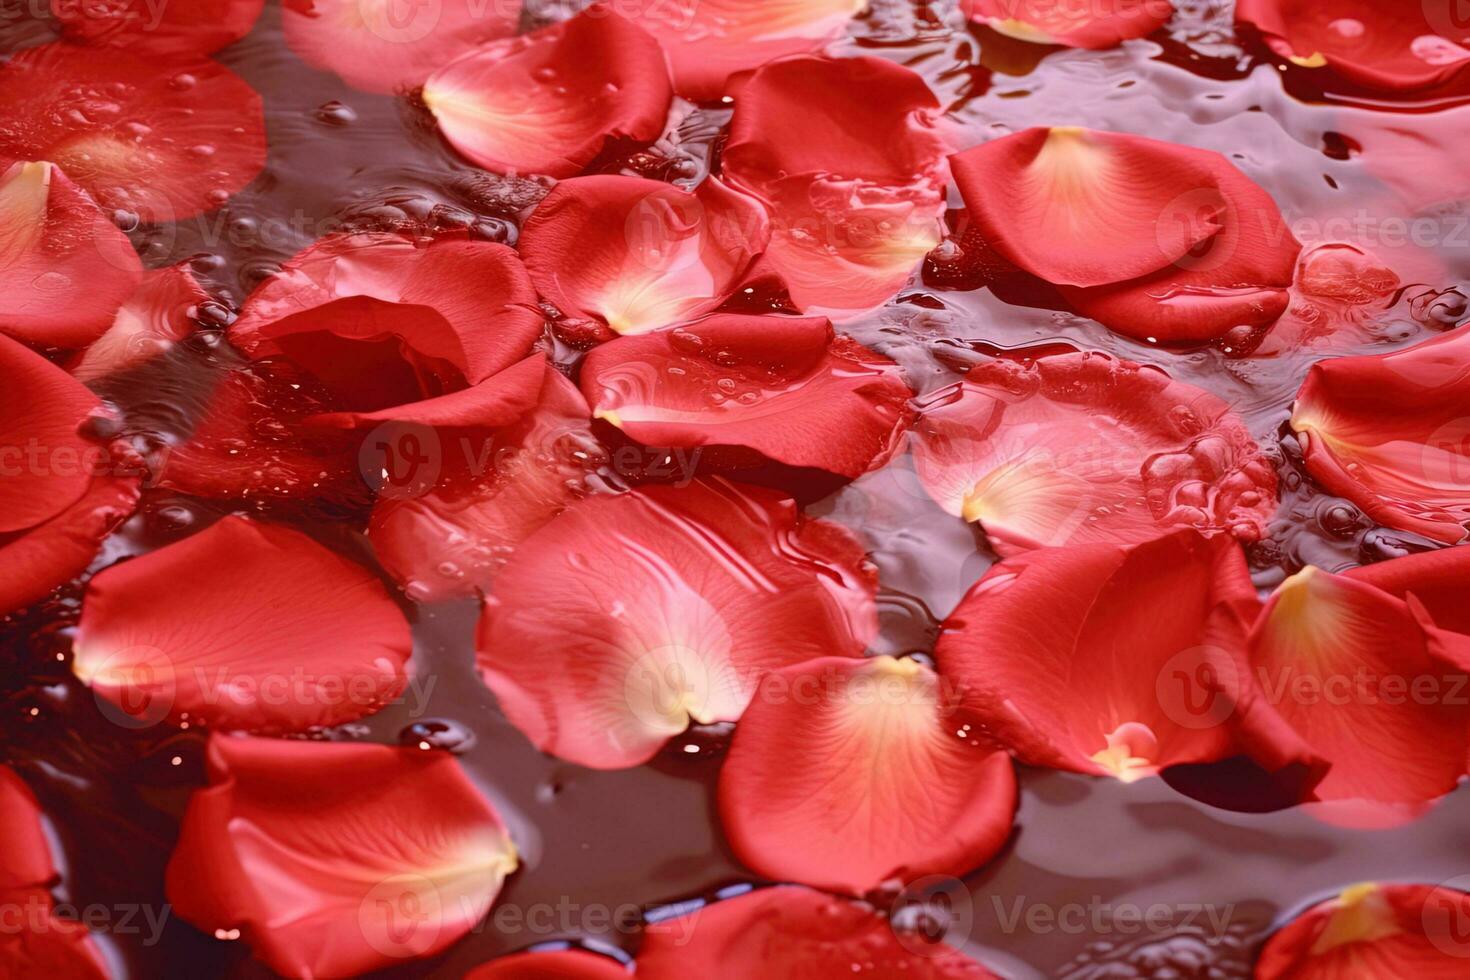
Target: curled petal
(282,634)
(630,617)
(846,774)
(46,462)
(785,387)
(639,254)
(1080,207)
(1391,432)
(548,102)
(397,855)
(1082,448)
(855,205)
(1154,240)
(708,41)
(1366,680)
(557,965)
(1076,661)
(36,560)
(1095,25)
(166,30)
(447,538)
(1436,580)
(385,45)
(65,268)
(1373,930)
(158,314)
(1396,47)
(793,933)
(160,145)
(384,321)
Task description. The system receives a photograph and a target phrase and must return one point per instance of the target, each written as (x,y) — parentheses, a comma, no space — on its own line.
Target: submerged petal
(794,933)
(281,633)
(846,774)
(640,254)
(855,204)
(784,387)
(548,102)
(156,315)
(1082,447)
(1391,432)
(161,145)
(630,617)
(397,856)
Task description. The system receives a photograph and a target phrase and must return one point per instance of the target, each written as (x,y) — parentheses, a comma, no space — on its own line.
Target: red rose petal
(36,560)
(556,965)
(1087,25)
(1436,580)
(600,646)
(384,45)
(1154,240)
(65,268)
(334,859)
(824,779)
(1080,207)
(1074,657)
(281,634)
(1373,930)
(495,488)
(164,145)
(157,314)
(793,933)
(785,387)
(1346,665)
(855,203)
(1083,448)
(383,320)
(43,456)
(1395,47)
(34,942)
(165,29)
(708,41)
(639,254)
(1391,432)
(25,851)
(548,102)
